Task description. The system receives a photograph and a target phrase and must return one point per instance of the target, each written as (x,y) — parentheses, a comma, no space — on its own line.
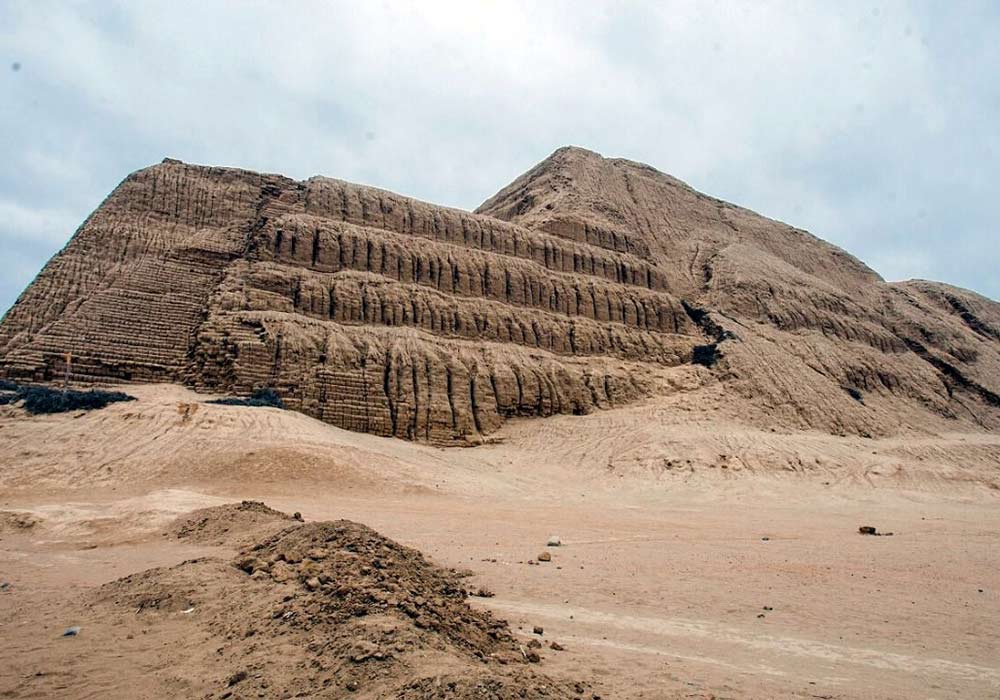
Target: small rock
(538,630)
(760,615)
(534,644)
(556,646)
(237,677)
(312,584)
(533,657)
(281,572)
(71,631)
(544,556)
(249,564)
(297,516)
(765,539)
(365,650)
(867,530)
(554,541)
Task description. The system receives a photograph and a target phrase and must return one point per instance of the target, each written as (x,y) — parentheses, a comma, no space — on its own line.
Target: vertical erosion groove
(412,429)
(472,400)
(389,388)
(427,379)
(451,395)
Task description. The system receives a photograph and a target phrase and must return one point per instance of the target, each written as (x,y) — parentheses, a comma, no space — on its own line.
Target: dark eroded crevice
(953,378)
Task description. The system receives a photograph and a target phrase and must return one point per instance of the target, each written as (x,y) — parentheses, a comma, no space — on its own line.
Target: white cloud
(50,227)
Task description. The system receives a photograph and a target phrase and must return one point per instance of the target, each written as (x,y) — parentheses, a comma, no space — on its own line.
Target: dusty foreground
(698,559)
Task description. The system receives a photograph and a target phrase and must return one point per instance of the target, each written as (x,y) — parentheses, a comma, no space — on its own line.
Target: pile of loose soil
(328,609)
(352,571)
(237,524)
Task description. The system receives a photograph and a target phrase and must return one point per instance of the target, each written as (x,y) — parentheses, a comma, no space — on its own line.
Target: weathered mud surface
(579,286)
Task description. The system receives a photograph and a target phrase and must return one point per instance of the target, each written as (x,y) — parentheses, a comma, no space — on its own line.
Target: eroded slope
(369,310)
(579,286)
(808,335)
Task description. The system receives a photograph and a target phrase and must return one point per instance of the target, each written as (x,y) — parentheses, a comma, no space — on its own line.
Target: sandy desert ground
(700,558)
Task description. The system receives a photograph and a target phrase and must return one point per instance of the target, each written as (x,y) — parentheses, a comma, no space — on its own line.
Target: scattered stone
(554,541)
(768,608)
(765,539)
(71,631)
(534,644)
(482,593)
(760,615)
(365,650)
(869,530)
(532,657)
(250,564)
(537,630)
(556,646)
(544,556)
(236,678)
(297,516)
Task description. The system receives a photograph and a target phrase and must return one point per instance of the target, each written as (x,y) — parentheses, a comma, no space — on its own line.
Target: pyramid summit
(585,284)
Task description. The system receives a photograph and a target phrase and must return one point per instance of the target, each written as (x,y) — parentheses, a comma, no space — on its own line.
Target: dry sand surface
(700,558)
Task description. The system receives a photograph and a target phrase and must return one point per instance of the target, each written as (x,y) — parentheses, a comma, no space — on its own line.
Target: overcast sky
(873,125)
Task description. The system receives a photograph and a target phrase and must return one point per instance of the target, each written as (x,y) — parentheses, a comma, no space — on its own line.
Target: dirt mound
(323,610)
(236,524)
(351,571)
(12,521)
